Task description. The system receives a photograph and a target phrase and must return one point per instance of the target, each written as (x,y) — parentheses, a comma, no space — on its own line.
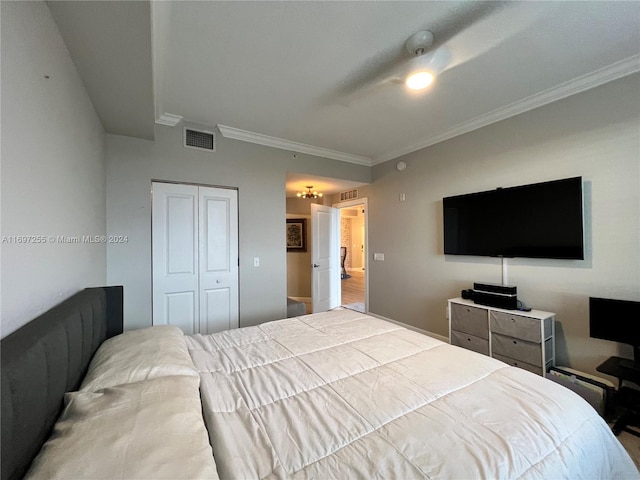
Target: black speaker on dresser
(467,294)
(497,300)
(493,295)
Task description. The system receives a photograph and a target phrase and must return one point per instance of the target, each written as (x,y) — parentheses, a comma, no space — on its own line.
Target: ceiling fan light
(419,80)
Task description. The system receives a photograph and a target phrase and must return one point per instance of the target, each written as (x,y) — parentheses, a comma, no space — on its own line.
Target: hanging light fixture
(309,193)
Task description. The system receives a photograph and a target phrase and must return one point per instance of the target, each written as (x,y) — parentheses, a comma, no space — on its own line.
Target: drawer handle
(515,343)
(468,339)
(513,320)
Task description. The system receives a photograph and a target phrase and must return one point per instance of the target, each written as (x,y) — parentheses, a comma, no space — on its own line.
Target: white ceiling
(318,76)
(110,43)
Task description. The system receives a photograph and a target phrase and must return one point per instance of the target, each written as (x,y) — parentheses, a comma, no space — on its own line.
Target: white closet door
(195,257)
(218,259)
(175,256)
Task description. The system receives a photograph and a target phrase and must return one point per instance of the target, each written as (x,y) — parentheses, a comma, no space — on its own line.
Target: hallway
(353,291)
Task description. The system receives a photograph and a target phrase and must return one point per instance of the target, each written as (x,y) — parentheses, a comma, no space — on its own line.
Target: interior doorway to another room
(353,249)
(336,194)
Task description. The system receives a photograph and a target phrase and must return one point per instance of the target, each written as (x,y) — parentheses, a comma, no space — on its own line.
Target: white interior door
(218,259)
(195,257)
(325,258)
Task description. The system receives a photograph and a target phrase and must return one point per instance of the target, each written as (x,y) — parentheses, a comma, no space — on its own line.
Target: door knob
(315,265)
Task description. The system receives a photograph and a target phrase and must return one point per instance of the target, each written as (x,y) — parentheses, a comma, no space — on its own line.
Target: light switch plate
(378,257)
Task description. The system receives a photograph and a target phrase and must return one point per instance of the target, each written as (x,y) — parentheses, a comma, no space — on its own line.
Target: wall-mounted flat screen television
(541,220)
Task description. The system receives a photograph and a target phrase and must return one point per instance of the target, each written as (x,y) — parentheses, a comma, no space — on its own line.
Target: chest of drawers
(521,339)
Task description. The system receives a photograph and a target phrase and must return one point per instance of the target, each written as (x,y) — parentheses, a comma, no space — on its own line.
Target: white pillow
(138,355)
(145,430)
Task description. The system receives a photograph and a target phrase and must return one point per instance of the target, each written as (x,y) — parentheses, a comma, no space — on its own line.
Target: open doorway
(353,254)
(299,262)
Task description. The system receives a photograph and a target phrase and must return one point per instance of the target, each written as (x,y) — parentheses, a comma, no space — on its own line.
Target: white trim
(352,203)
(168,119)
(300,299)
(580,84)
(281,143)
(411,327)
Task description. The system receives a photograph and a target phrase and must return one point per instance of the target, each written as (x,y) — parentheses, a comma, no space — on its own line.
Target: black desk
(612,366)
(626,398)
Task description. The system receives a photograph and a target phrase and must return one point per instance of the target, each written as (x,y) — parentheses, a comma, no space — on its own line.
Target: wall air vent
(349,195)
(200,139)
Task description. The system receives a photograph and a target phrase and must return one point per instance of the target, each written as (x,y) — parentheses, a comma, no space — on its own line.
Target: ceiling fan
(424,65)
(468,31)
(417,65)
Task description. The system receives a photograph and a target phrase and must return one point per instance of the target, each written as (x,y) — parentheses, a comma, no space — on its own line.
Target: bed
(333,395)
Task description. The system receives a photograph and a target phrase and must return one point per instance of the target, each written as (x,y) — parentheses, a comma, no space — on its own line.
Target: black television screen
(615,320)
(618,321)
(542,220)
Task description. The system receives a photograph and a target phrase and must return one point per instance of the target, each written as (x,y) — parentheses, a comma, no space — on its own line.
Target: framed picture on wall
(296,234)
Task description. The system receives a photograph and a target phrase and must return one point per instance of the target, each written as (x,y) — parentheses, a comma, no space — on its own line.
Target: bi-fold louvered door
(195,257)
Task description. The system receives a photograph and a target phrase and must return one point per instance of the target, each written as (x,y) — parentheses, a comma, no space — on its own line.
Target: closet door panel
(218,236)
(174,226)
(217,310)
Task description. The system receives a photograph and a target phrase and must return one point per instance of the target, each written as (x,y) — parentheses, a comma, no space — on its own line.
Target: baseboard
(300,299)
(411,327)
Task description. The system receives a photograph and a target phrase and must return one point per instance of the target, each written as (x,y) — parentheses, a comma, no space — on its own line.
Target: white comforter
(345,395)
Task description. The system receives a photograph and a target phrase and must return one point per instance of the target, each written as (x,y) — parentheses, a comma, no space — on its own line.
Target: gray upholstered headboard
(44,359)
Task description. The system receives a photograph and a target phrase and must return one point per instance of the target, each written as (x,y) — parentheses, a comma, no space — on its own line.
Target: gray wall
(53,173)
(258,172)
(299,263)
(595,135)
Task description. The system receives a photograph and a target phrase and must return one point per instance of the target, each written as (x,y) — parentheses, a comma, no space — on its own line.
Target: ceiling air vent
(200,139)
(349,195)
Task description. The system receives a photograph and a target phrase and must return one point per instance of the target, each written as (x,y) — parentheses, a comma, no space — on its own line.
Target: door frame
(352,203)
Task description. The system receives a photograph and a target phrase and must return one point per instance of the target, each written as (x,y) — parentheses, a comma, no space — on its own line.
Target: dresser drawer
(517,349)
(519,363)
(470,320)
(518,326)
(470,342)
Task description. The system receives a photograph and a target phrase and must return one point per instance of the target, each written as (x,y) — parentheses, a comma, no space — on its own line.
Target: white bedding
(138,415)
(139,355)
(143,430)
(345,395)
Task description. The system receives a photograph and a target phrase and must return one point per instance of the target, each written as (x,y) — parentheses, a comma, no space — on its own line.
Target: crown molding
(591,80)
(168,119)
(281,143)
